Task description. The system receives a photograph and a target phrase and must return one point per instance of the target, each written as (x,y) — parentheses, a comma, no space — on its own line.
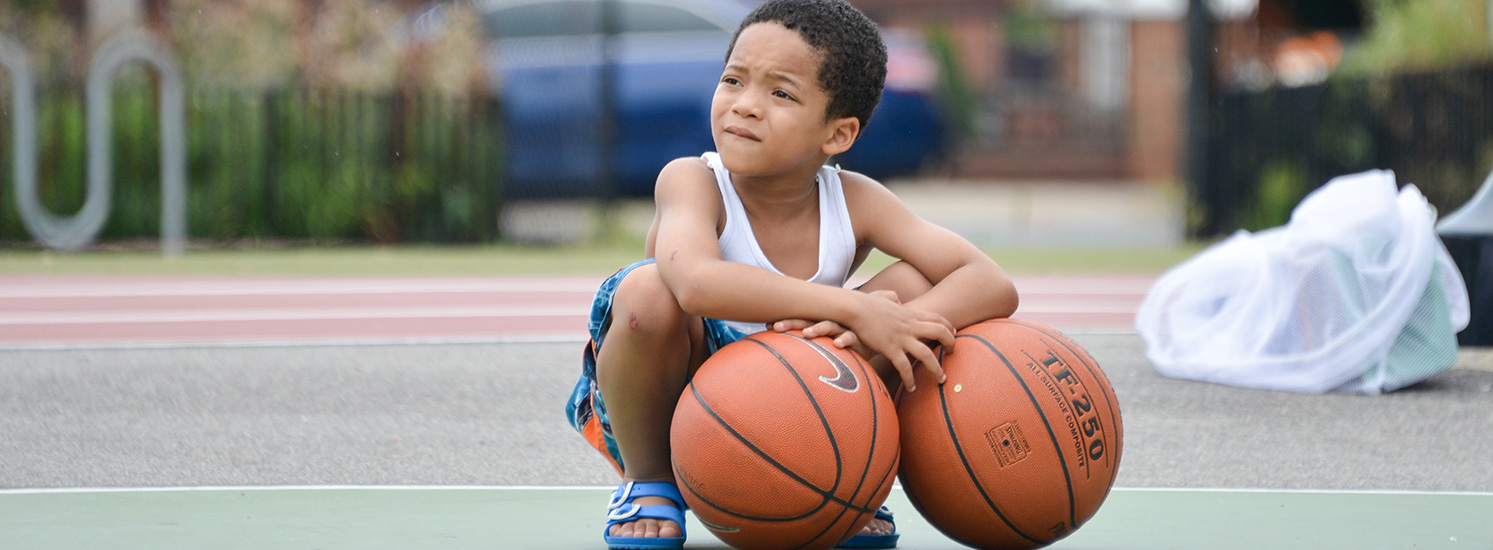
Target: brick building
(1087,89)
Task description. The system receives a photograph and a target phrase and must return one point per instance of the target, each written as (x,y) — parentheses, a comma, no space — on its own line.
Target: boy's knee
(643,303)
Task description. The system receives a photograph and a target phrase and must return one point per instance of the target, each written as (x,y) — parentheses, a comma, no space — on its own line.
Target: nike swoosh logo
(844,379)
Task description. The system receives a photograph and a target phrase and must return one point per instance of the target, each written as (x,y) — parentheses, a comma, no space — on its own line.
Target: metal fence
(283,164)
(1268,149)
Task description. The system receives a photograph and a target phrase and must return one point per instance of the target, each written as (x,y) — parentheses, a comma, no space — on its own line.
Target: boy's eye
(730,80)
(782,94)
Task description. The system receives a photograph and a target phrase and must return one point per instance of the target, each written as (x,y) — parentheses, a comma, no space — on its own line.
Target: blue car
(545,63)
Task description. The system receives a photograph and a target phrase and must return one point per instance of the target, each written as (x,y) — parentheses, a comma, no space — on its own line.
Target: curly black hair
(852,57)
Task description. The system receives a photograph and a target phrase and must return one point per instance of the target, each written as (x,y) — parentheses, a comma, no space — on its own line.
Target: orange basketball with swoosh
(784,442)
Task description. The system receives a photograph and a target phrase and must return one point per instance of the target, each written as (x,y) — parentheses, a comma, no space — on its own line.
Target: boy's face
(768,112)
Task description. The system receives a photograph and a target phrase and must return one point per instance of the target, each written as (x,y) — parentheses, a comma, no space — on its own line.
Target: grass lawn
(493,260)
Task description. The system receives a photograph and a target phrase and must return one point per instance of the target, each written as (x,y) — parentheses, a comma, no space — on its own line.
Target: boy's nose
(746,105)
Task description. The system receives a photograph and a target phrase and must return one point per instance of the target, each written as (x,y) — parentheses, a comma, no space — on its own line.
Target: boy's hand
(843,338)
(902,334)
(890,329)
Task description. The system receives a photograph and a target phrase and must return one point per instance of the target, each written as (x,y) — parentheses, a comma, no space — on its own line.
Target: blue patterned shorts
(585,408)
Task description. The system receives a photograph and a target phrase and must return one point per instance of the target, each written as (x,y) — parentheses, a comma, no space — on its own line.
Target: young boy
(762,235)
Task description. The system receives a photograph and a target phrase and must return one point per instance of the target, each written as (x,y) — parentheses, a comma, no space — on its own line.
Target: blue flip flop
(875,541)
(621,509)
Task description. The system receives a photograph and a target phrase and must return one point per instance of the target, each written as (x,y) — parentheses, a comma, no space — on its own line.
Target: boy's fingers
(930,362)
(822,328)
(940,333)
(944,332)
(904,369)
(946,337)
(947,340)
(846,340)
(790,324)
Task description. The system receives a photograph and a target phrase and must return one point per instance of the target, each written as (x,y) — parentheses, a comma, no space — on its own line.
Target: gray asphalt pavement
(492,415)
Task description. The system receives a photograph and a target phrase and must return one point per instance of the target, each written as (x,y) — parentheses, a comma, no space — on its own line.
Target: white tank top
(836,236)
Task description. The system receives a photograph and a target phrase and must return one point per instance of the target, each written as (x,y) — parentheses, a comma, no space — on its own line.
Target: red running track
(49,312)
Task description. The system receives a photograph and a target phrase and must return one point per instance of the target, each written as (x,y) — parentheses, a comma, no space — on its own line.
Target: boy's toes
(631,529)
(647,528)
(877,526)
(645,510)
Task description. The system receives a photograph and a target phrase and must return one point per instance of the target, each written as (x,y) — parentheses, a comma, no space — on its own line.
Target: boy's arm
(968,287)
(685,243)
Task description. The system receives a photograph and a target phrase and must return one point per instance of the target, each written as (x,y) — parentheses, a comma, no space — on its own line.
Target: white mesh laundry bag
(1355,294)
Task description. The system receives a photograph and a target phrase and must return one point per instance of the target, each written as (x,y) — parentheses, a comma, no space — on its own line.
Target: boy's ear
(843,133)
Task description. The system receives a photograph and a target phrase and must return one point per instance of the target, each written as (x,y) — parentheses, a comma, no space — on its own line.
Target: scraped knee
(644,307)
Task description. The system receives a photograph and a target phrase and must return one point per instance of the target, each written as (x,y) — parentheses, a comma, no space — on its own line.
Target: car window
(582,17)
(565,18)
(644,17)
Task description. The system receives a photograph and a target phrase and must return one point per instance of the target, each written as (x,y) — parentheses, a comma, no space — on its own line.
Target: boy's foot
(648,527)
(881,532)
(878,526)
(645,515)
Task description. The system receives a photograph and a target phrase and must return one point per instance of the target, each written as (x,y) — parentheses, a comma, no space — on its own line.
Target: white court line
(246,488)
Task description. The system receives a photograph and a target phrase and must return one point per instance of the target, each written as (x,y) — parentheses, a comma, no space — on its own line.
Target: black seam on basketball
(871,453)
(828,496)
(677,474)
(875,429)
(891,468)
(959,449)
(1051,435)
(871,392)
(884,476)
(1072,502)
(911,490)
(834,443)
(1107,390)
(684,482)
(1114,412)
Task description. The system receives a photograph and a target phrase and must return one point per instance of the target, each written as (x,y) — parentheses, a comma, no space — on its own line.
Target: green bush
(1282,186)
(328,166)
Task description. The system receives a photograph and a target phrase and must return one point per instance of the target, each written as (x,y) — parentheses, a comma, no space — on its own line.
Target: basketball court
(556,517)
(224,422)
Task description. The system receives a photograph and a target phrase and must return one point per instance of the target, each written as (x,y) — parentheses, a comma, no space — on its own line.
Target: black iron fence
(1268,149)
(281,164)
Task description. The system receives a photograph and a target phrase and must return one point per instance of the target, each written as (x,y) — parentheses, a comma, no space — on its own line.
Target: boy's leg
(650,348)
(902,278)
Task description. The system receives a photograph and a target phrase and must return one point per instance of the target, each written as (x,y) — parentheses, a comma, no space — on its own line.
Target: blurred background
(545,121)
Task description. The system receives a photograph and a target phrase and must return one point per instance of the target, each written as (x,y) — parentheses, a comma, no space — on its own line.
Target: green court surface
(561,517)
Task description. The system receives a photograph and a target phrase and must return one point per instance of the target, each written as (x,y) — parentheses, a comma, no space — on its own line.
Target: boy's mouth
(742,133)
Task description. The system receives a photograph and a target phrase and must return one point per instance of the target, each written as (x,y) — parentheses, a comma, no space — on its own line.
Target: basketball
(1019,447)
(784,442)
